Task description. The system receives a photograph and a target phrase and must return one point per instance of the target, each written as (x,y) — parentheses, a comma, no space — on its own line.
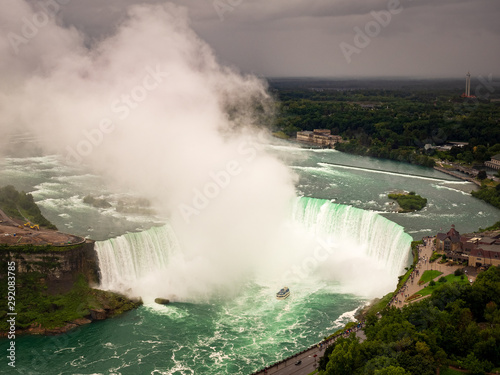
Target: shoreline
(95,315)
(49,264)
(451,173)
(359,316)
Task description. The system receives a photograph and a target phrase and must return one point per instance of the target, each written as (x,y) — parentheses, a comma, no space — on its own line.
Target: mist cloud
(148,107)
(151,110)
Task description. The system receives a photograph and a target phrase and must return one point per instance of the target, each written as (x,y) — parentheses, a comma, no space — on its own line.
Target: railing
(324,342)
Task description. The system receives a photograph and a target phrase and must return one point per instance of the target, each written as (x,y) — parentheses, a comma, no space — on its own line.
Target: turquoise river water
(341,201)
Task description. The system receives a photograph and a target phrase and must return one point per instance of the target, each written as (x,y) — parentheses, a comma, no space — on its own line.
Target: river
(342,201)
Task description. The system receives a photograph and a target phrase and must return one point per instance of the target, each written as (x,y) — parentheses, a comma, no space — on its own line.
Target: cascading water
(381,240)
(367,253)
(126,259)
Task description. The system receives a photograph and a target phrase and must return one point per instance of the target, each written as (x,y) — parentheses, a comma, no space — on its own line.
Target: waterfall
(368,252)
(124,260)
(380,239)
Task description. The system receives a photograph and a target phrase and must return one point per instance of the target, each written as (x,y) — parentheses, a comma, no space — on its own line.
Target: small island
(96,202)
(409,202)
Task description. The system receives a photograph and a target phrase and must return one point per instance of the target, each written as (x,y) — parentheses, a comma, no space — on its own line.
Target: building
(305,136)
(446,147)
(449,241)
(459,144)
(467,85)
(485,255)
(494,163)
(467,94)
(476,249)
(322,137)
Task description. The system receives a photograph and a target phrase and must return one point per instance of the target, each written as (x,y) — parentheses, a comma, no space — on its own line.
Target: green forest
(459,325)
(19,205)
(488,194)
(395,124)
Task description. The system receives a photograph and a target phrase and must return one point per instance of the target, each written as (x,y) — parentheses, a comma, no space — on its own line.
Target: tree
(468,157)
(474,365)
(344,358)
(391,370)
(481,175)
(480,153)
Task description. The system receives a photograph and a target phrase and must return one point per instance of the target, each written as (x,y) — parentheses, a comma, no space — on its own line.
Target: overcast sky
(422,38)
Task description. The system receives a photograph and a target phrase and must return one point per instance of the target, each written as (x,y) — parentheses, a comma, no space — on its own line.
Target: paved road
(308,365)
(410,287)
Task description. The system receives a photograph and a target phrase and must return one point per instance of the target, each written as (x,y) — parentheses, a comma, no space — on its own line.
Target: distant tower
(467,85)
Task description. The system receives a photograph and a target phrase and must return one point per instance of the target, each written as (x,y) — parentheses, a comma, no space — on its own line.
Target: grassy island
(409,202)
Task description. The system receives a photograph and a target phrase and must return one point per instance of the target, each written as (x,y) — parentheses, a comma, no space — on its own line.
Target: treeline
(395,124)
(36,249)
(404,154)
(458,325)
(19,205)
(488,194)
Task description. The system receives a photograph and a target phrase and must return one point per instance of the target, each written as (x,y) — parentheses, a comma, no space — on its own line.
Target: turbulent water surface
(361,244)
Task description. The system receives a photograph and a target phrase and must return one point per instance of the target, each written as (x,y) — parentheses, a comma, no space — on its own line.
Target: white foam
(449,188)
(381,172)
(343,319)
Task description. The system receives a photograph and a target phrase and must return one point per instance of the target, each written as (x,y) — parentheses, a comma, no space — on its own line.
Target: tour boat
(283,293)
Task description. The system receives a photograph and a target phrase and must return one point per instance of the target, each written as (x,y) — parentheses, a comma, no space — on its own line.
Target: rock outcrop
(162,301)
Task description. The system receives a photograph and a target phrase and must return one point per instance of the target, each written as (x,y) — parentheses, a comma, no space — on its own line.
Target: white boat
(283,293)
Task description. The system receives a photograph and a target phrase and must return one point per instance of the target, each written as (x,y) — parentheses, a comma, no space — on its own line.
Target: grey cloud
(302,37)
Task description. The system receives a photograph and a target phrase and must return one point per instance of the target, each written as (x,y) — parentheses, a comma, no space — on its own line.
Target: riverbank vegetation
(488,194)
(458,325)
(396,123)
(390,120)
(409,202)
(378,304)
(45,304)
(36,249)
(495,226)
(19,205)
(37,309)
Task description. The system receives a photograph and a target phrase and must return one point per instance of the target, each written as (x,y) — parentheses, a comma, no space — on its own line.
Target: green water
(247,329)
(224,337)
